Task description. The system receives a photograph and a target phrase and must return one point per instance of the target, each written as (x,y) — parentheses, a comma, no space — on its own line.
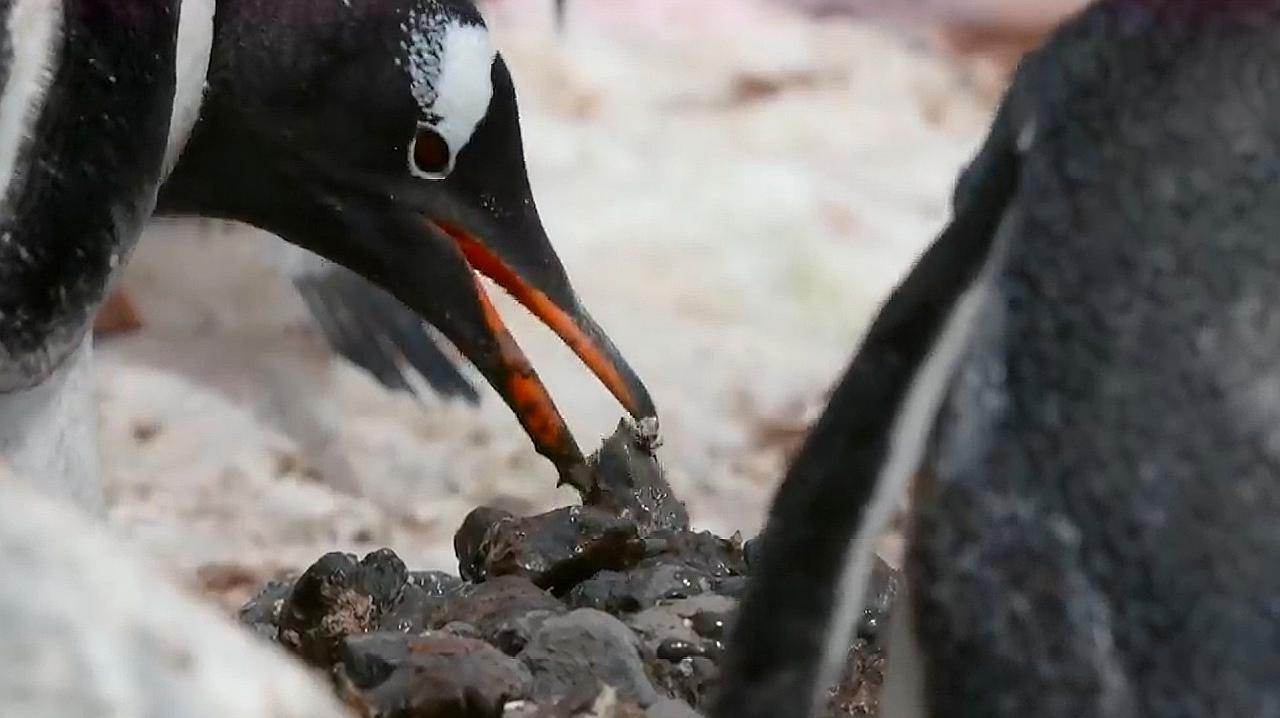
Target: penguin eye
(429,154)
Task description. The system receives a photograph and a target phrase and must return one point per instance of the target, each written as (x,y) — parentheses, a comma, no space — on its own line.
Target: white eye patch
(449,63)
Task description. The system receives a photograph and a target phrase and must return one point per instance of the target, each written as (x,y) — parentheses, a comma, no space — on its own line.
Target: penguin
(381,135)
(1079,386)
(371,328)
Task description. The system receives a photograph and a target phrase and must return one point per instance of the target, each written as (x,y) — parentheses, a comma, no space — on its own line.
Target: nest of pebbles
(611,609)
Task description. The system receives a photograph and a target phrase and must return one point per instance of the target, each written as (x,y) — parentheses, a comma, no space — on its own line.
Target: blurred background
(733,185)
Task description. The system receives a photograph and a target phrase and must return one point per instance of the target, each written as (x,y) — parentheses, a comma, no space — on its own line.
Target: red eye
(430,153)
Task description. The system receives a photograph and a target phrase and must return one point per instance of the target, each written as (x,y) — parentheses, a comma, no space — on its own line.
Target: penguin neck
(84,120)
(48,433)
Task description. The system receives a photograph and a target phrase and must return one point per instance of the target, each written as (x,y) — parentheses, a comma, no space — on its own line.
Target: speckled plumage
(1099,532)
(1095,527)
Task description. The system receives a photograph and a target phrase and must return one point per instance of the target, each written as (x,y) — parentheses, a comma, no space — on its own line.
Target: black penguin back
(1097,532)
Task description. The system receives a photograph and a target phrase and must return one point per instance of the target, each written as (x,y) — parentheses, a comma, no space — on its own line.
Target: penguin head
(384,135)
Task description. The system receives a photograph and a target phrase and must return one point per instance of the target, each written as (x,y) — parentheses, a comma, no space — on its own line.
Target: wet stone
(630,484)
(731,586)
(513,634)
(676,649)
(671,708)
(858,693)
(435,583)
(702,550)
(558,549)
(262,612)
(692,680)
(710,624)
(673,622)
(462,630)
(580,649)
(432,676)
(882,589)
(642,587)
(327,603)
(492,605)
(383,576)
(369,659)
(412,613)
(468,542)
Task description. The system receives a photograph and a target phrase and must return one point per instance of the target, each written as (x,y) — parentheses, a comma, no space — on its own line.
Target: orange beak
(520,385)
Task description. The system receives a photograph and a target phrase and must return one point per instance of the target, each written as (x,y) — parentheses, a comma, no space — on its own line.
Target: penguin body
(1096,475)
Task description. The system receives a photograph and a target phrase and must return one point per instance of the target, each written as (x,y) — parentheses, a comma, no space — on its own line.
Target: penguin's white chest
(48,433)
(195,44)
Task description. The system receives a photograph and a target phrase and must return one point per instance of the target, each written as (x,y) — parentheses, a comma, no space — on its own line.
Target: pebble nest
(614,608)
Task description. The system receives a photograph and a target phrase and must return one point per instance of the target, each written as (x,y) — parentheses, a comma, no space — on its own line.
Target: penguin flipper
(373,330)
(794,626)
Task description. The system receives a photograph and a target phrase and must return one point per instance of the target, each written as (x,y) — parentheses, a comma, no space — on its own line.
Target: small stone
(262,612)
(327,603)
(692,680)
(882,589)
(469,539)
(369,659)
(671,708)
(638,589)
(702,550)
(435,583)
(491,605)
(858,692)
(462,630)
(579,649)
(710,624)
(731,586)
(383,577)
(433,676)
(630,484)
(673,620)
(513,634)
(675,649)
(559,549)
(412,613)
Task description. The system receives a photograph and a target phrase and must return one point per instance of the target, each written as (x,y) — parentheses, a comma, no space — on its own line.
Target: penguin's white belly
(48,433)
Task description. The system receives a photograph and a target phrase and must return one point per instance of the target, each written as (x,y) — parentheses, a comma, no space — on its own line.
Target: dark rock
(676,649)
(580,649)
(858,693)
(600,702)
(327,603)
(882,588)
(513,634)
(383,576)
(607,591)
(462,630)
(435,583)
(412,613)
(559,549)
(701,550)
(644,586)
(630,484)
(673,621)
(731,586)
(710,624)
(692,680)
(369,659)
(262,612)
(469,539)
(432,676)
(671,708)
(492,605)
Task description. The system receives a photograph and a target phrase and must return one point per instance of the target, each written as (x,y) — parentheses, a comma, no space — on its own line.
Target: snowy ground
(733,188)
